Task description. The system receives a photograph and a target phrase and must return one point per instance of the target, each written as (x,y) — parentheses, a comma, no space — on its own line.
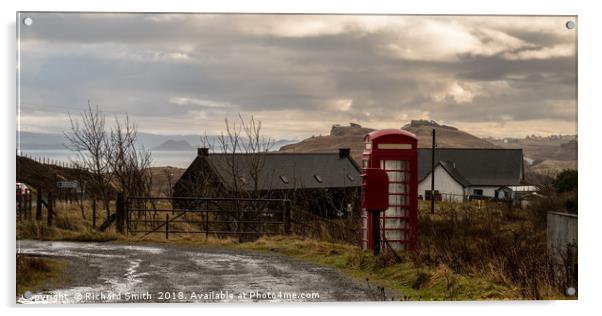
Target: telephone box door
(395,221)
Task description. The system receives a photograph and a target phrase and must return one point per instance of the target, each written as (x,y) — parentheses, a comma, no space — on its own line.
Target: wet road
(121,273)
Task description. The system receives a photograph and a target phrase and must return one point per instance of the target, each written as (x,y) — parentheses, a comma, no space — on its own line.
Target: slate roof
(475,166)
(302,170)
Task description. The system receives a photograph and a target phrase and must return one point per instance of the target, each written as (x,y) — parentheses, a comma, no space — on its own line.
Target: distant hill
(537,148)
(45,176)
(50,141)
(352,137)
(171,144)
(447,136)
(548,155)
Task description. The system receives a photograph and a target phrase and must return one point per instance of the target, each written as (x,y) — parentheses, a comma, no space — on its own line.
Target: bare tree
(254,145)
(244,137)
(130,165)
(88,138)
(243,146)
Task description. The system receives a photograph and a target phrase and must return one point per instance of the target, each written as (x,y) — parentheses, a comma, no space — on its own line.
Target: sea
(160,158)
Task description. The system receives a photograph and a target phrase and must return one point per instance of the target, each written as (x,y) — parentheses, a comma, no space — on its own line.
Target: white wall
(444,183)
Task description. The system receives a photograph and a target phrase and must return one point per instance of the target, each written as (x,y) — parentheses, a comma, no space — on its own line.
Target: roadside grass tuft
(405,279)
(33,273)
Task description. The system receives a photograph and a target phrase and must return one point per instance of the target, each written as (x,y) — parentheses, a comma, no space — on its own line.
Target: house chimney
(344,153)
(203,152)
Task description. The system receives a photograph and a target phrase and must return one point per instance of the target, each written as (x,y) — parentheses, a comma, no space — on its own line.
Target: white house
(465,173)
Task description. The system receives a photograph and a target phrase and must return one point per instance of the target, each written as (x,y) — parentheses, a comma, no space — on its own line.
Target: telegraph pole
(433,175)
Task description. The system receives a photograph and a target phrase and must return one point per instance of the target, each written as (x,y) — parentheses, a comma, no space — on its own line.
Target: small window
(284,179)
(427,195)
(350,177)
(478,192)
(364,164)
(368,146)
(318,178)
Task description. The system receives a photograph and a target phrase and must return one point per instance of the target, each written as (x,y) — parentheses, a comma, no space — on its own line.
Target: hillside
(558,147)
(171,144)
(352,137)
(36,174)
(447,136)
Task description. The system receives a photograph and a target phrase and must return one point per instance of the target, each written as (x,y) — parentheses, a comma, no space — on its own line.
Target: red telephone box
(393,151)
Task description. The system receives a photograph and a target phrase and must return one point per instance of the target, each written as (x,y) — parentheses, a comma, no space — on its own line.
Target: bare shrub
(510,250)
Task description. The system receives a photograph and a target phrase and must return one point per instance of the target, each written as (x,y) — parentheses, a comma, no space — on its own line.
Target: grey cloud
(137,63)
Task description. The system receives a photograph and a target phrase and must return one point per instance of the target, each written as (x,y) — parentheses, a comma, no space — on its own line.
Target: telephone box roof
(387,132)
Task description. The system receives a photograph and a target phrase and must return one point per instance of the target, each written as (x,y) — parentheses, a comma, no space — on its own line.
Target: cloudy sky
(299,74)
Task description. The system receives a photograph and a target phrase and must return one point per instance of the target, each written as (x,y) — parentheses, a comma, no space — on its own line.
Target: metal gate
(220,217)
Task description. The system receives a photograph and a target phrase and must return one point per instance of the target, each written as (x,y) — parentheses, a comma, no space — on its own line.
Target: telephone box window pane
(395,199)
(391,164)
(403,200)
(368,146)
(395,188)
(394,176)
(391,223)
(403,164)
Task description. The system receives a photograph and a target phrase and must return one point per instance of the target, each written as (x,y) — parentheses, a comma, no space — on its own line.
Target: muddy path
(143,273)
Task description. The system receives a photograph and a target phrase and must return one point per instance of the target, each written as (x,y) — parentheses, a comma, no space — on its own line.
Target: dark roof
(300,170)
(453,172)
(475,166)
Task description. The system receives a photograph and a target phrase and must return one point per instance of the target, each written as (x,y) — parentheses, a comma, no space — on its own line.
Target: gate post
(94,213)
(50,209)
(29,206)
(287,218)
(166,226)
(119,213)
(39,205)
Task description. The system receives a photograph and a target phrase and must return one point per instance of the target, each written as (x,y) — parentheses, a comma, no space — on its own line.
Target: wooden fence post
(119,215)
(29,205)
(39,205)
(166,226)
(50,208)
(287,218)
(19,207)
(94,213)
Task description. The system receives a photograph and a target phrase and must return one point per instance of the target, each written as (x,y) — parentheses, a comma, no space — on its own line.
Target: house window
(318,178)
(284,179)
(427,195)
(478,192)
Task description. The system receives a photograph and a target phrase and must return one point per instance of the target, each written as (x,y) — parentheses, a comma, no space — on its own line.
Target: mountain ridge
(352,137)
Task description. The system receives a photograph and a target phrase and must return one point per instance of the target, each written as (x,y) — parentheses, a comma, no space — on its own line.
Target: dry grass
(34,272)
(69,224)
(505,245)
(407,280)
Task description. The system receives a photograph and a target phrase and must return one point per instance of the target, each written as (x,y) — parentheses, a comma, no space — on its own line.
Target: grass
(34,274)
(493,241)
(68,225)
(405,279)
